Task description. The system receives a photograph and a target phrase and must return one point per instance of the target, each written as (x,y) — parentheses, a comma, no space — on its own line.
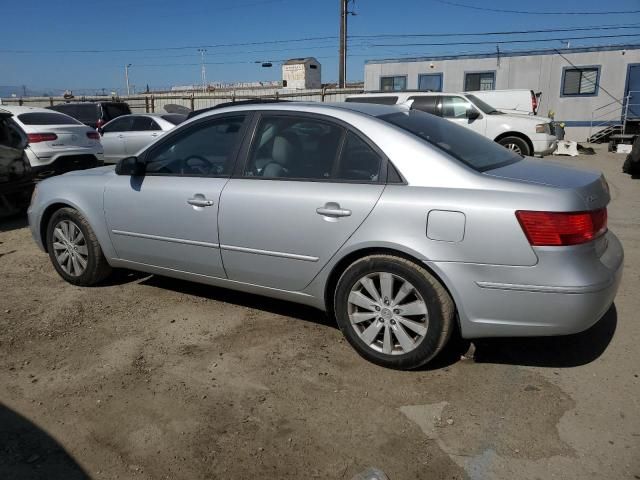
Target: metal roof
(296,61)
(513,53)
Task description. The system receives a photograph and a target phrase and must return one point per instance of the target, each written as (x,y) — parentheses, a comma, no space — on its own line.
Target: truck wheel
(517,145)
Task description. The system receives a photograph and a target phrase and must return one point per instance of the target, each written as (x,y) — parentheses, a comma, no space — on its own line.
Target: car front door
(169,217)
(144,130)
(113,139)
(307,185)
(454,108)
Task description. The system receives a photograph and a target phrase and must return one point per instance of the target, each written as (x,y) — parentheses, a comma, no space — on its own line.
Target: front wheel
(393,311)
(74,249)
(516,145)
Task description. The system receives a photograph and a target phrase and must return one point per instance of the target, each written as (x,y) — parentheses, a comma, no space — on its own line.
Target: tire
(84,263)
(386,322)
(516,144)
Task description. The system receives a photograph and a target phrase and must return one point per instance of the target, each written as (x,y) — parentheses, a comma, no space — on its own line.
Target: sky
(68,44)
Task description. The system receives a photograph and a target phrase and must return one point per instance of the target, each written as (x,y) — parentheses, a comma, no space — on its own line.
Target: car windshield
(47,118)
(485,107)
(464,145)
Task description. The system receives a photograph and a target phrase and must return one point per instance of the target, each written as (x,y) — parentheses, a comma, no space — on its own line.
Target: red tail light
(93,135)
(560,228)
(41,137)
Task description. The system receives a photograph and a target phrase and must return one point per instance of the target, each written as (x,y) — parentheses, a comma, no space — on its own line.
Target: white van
(511,101)
(524,134)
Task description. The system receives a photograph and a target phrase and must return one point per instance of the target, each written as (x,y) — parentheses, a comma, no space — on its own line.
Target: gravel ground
(149,377)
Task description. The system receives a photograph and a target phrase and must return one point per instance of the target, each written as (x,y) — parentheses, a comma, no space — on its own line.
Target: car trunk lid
(589,185)
(68,136)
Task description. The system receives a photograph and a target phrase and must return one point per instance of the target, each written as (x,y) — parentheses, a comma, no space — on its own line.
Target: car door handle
(200,202)
(333,210)
(154,134)
(120,136)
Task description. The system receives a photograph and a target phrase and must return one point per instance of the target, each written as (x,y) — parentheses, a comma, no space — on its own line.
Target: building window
(430,82)
(479,81)
(393,84)
(580,81)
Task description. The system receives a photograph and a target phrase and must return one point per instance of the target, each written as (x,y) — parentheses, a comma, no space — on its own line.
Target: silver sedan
(398,223)
(128,134)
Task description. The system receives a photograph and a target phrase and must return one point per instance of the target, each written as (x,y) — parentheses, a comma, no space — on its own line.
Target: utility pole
(203,69)
(342,67)
(344,15)
(126,77)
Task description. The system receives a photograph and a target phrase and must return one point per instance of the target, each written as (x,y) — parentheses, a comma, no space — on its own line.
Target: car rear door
(168,218)
(144,130)
(113,138)
(307,185)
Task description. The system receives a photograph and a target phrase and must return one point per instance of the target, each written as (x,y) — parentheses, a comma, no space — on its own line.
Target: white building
(580,86)
(301,73)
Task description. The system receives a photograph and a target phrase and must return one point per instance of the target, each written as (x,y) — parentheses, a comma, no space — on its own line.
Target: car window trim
(346,127)
(183,129)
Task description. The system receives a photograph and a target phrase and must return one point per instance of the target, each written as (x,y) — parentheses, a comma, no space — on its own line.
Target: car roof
(17,109)
(371,109)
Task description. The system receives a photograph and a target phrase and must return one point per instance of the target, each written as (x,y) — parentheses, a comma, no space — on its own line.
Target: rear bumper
(566,292)
(67,163)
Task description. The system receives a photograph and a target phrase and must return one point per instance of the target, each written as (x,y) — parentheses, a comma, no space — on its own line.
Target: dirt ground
(153,378)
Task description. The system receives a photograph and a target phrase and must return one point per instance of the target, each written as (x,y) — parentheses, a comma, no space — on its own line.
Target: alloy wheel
(388,313)
(514,148)
(70,248)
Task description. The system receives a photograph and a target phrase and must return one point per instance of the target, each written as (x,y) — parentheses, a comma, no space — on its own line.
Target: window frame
(180,131)
(476,72)
(435,74)
(580,68)
(406,82)
(248,146)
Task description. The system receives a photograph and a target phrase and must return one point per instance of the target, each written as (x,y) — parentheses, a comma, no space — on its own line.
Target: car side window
(454,107)
(425,103)
(143,124)
(294,148)
(120,125)
(206,150)
(358,161)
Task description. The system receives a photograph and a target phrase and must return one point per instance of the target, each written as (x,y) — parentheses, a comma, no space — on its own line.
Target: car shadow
(14,222)
(552,352)
(258,302)
(27,452)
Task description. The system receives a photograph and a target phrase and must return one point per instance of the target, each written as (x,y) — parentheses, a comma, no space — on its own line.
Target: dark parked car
(16,182)
(93,114)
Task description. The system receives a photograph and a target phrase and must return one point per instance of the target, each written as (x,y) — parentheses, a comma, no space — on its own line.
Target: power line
(327,38)
(499,42)
(512,32)
(528,12)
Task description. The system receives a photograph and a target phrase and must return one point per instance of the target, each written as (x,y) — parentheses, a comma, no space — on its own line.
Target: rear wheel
(74,249)
(516,145)
(393,312)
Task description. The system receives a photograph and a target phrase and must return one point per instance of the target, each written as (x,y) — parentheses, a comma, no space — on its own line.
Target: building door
(633,91)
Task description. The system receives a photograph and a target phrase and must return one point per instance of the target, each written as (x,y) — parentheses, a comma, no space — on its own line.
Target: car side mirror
(472,113)
(132,166)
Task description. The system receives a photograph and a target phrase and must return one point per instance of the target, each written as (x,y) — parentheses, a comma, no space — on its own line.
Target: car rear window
(174,118)
(87,113)
(47,118)
(113,110)
(464,145)
(385,100)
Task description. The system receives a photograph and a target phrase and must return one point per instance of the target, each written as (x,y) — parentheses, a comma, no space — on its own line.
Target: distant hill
(6,91)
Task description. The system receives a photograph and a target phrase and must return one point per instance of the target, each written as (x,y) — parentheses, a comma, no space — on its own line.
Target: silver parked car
(128,134)
(402,225)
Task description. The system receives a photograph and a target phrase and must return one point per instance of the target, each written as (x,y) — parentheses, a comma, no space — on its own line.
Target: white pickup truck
(522,133)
